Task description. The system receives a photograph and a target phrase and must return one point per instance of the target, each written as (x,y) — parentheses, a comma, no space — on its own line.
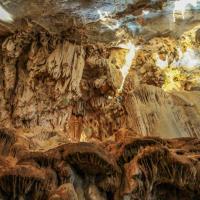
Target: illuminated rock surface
(121,77)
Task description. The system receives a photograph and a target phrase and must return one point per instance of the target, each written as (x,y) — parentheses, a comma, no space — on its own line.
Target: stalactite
(51,83)
(133,167)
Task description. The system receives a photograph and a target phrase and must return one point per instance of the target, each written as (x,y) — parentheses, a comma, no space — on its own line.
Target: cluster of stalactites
(130,167)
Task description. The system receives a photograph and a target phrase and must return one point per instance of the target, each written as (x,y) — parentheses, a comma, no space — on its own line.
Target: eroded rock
(82,83)
(133,168)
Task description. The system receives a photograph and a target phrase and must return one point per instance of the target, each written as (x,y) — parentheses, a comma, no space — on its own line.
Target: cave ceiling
(100,21)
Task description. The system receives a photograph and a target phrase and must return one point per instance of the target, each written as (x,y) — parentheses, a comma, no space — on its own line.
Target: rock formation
(99,100)
(83,91)
(127,168)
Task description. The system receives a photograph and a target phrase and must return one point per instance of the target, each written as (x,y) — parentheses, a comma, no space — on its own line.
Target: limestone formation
(99,100)
(134,167)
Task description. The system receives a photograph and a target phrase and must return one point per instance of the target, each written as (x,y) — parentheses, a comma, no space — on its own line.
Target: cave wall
(80,90)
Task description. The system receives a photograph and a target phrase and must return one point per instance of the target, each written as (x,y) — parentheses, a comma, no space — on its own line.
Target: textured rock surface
(92,93)
(130,168)
(51,87)
(113,19)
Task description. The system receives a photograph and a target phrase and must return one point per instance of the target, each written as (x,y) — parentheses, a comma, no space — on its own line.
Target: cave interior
(99,100)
